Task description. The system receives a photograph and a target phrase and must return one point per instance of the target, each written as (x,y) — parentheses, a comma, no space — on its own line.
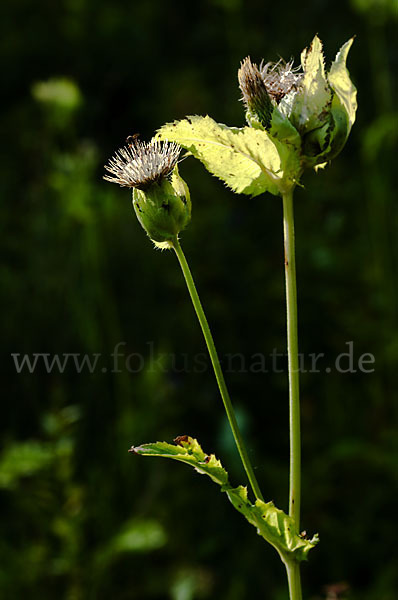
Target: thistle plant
(298,118)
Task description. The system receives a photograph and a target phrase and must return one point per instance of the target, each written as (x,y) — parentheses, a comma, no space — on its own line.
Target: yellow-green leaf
(248,160)
(315,95)
(186,450)
(271,523)
(339,79)
(275,526)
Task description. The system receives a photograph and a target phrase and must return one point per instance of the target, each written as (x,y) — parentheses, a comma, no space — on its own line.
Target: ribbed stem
(293,360)
(292,567)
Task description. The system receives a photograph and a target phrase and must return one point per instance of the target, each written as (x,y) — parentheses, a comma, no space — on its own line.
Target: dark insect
(181,438)
(131,139)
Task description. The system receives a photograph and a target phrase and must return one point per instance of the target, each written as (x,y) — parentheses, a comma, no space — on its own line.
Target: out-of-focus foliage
(83,519)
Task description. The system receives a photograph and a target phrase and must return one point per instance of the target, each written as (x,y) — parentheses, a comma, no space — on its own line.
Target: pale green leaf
(275,526)
(312,100)
(272,524)
(188,451)
(339,79)
(248,160)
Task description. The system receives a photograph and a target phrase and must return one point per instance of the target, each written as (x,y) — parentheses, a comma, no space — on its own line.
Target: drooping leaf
(312,100)
(188,451)
(248,160)
(339,79)
(271,523)
(275,526)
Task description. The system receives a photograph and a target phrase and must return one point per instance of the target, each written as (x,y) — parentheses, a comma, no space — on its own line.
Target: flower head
(254,94)
(320,105)
(264,87)
(280,78)
(298,117)
(161,198)
(141,164)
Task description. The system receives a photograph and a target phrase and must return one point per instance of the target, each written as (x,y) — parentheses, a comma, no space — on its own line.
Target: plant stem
(292,567)
(292,349)
(293,577)
(217,368)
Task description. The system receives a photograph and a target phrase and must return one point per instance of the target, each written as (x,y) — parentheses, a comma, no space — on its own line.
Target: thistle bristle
(142,163)
(280,78)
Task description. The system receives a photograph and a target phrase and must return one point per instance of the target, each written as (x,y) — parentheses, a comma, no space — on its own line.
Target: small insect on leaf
(181,438)
(303,535)
(271,523)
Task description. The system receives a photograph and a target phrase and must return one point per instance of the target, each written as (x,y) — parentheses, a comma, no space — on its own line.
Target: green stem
(217,368)
(293,569)
(293,360)
(293,577)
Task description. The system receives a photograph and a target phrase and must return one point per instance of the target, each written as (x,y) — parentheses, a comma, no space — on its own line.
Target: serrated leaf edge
(256,514)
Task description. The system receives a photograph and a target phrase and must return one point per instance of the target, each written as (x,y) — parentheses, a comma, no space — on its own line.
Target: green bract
(298,119)
(163,208)
(323,110)
(271,523)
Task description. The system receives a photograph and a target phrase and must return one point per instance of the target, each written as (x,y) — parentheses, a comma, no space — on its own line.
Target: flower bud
(161,197)
(163,208)
(254,95)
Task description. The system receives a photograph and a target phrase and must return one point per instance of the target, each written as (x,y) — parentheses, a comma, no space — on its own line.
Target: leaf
(248,160)
(314,97)
(340,82)
(188,451)
(326,142)
(275,526)
(272,524)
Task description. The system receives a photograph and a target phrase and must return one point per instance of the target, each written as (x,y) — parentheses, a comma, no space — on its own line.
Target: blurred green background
(80,517)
